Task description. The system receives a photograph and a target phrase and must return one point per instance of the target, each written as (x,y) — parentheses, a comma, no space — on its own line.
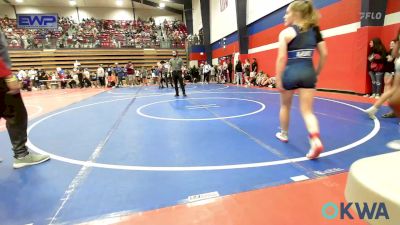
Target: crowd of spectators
(97,33)
(118,75)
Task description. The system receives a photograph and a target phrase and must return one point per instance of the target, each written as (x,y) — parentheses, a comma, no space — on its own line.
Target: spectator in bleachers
(213,74)
(87,78)
(73,79)
(143,74)
(101,75)
(21,74)
(111,80)
(120,74)
(80,77)
(247,70)
(62,76)
(206,72)
(130,74)
(94,80)
(95,33)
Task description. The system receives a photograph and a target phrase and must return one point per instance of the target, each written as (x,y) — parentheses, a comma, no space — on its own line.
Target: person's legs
(388,81)
(311,121)
(102,83)
(207,77)
(247,80)
(170,79)
(14,112)
(284,114)
(16,118)
(306,108)
(180,78)
(81,84)
(373,80)
(175,78)
(379,81)
(132,80)
(166,80)
(386,95)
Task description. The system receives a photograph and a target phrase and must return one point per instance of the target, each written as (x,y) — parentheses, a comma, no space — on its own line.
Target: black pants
(120,81)
(165,80)
(87,82)
(72,84)
(177,76)
(207,77)
(13,110)
(80,78)
(102,81)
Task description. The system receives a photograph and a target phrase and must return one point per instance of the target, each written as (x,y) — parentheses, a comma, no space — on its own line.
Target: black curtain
(241,15)
(188,16)
(205,18)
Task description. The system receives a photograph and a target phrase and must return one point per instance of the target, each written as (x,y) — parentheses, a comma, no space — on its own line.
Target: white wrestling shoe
(371,111)
(395,145)
(282,136)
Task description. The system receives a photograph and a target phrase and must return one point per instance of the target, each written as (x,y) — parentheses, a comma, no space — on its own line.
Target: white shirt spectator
(21,74)
(100,72)
(206,68)
(212,71)
(86,73)
(32,74)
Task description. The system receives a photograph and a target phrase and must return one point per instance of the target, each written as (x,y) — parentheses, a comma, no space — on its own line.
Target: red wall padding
(197,56)
(229,50)
(392,6)
(346,68)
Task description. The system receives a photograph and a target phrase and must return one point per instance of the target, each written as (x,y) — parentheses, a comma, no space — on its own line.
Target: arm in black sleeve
(318,34)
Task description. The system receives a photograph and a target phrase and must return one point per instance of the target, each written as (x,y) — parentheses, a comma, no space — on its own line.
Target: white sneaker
(371,111)
(282,137)
(395,145)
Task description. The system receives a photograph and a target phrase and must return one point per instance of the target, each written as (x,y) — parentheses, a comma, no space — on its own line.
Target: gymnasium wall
(197,22)
(347,42)
(88,12)
(6,10)
(224,22)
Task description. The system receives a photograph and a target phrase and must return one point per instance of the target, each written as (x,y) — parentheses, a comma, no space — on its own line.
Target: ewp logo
(377,211)
(37,21)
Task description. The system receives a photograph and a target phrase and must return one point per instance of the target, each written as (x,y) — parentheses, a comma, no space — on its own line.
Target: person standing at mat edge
(13,110)
(295,69)
(175,67)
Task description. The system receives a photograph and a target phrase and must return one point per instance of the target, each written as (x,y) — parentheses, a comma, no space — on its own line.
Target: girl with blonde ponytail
(295,69)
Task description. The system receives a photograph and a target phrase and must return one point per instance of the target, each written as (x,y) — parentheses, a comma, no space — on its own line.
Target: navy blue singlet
(300,72)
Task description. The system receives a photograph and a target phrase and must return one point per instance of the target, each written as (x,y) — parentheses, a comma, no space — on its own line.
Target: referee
(176,68)
(13,110)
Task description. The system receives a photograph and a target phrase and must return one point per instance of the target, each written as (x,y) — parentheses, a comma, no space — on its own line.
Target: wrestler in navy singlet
(300,72)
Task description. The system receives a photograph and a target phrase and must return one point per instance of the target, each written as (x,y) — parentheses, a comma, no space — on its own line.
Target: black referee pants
(13,110)
(177,76)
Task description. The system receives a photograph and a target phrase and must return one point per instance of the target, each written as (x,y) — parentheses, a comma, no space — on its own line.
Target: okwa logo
(363,210)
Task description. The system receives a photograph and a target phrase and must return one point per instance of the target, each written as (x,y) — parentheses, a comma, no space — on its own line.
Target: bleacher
(49,60)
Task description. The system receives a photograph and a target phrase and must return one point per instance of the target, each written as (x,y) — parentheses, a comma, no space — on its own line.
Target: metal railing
(56,43)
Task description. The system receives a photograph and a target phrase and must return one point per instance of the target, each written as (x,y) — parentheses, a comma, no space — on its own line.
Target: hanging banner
(37,21)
